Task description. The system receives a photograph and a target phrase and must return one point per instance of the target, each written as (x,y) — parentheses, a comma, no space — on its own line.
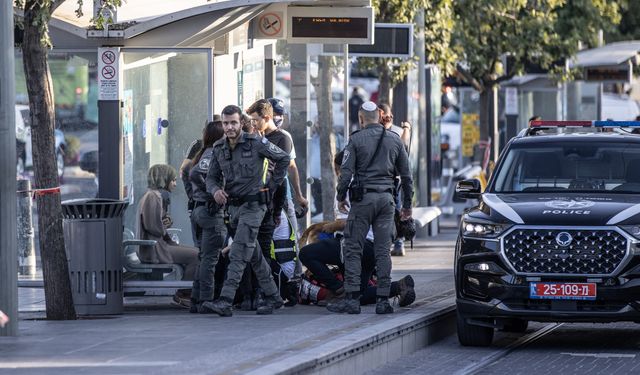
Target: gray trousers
(246,220)
(214,232)
(376,210)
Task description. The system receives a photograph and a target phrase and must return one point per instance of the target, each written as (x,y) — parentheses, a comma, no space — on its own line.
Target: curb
(370,347)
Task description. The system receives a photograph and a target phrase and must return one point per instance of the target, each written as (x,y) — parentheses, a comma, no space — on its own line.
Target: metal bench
(426,219)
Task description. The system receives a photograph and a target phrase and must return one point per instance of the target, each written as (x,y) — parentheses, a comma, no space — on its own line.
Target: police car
(555,235)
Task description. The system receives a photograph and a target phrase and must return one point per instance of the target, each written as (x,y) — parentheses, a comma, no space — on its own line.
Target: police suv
(556,234)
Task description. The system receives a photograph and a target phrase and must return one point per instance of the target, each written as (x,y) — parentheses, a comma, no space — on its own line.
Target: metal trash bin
(93,240)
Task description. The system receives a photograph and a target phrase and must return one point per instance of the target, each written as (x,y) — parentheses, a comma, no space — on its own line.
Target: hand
(225,251)
(302,201)
(344,206)
(167,222)
(4,319)
(276,219)
(405,125)
(220,197)
(405,214)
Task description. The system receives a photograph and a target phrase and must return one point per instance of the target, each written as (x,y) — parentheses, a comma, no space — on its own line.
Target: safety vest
(283,251)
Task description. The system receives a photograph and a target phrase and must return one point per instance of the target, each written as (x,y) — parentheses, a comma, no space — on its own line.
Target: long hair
(160,176)
(210,135)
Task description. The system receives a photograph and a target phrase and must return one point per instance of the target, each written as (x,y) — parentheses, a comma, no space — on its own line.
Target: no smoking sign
(270,26)
(108,85)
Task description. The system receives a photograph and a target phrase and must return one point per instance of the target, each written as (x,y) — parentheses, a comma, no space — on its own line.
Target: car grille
(590,252)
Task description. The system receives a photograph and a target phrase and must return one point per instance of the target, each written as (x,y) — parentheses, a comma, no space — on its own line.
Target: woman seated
(152,222)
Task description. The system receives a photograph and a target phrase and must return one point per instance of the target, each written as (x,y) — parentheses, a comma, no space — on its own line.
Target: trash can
(93,239)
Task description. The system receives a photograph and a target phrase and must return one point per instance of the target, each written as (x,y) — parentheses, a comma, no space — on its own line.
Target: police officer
(372,159)
(237,177)
(208,215)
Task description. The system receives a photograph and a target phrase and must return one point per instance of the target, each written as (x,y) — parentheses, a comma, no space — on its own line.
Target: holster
(356,191)
(213,208)
(264,196)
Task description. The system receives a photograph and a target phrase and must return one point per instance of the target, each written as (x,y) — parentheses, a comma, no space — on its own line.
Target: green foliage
(629,27)
(528,31)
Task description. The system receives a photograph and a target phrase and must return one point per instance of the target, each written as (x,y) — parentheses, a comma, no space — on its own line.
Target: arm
(346,171)
(185,169)
(214,179)
(406,134)
(294,177)
(152,216)
(406,180)
(280,159)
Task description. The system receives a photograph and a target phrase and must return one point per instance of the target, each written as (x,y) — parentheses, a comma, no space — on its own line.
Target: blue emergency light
(584,124)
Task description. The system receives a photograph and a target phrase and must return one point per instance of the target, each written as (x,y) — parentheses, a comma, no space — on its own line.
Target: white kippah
(369,106)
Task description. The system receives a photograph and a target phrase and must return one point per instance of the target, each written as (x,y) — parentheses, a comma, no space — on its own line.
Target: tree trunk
(327,137)
(57,285)
(489,120)
(384,76)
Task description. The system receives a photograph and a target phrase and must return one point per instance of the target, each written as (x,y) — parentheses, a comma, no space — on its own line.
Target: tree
(526,31)
(438,27)
(35,45)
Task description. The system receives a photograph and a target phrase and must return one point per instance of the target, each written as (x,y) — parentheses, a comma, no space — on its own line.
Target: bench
(426,220)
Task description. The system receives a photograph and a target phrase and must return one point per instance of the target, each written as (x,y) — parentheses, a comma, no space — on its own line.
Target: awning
(610,55)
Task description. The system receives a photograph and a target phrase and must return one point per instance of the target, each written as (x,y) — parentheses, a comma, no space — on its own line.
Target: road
(546,348)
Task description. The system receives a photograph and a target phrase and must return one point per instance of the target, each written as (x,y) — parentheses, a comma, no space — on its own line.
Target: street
(546,348)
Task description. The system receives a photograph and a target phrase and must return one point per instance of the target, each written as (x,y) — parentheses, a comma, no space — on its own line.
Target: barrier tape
(40,192)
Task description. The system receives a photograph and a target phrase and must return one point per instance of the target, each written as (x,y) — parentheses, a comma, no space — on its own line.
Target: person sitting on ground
(153,220)
(327,251)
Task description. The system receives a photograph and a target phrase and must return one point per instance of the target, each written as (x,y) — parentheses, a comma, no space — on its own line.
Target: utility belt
(263,197)
(211,206)
(357,192)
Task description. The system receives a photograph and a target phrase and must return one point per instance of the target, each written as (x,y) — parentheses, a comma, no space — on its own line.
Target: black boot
(406,293)
(383,306)
(269,303)
(193,309)
(221,306)
(350,304)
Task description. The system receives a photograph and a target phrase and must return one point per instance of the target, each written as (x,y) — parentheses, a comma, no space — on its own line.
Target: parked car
(23,142)
(619,107)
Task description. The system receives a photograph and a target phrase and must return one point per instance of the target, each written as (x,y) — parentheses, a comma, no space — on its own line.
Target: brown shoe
(332,296)
(181,301)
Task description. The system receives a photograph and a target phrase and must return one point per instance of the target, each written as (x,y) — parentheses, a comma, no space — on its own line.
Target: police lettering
(566,212)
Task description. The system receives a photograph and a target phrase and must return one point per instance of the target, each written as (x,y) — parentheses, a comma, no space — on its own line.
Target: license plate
(581,291)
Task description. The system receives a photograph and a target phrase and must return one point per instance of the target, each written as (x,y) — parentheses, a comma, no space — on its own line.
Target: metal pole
(8,253)
(346,93)
(26,252)
(423,162)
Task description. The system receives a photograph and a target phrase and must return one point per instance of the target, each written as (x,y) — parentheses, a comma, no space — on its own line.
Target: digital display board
(329,27)
(391,40)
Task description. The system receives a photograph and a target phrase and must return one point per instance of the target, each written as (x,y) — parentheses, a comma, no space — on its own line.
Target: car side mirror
(468,189)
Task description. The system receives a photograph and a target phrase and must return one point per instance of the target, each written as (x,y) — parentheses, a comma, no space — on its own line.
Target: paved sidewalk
(153,337)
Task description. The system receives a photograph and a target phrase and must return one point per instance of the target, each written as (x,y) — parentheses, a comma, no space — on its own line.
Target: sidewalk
(153,337)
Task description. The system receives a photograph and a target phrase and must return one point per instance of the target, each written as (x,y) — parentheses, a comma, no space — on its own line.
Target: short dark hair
(337,159)
(384,107)
(262,107)
(535,118)
(231,110)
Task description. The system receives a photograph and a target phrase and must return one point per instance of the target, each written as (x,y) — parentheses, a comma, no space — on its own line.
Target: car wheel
(472,335)
(60,163)
(516,325)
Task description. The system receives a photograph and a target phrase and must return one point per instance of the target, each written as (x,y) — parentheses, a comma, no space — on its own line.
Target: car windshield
(570,167)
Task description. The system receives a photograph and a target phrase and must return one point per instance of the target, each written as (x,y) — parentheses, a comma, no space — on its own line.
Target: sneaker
(407,293)
(344,305)
(398,249)
(220,306)
(184,302)
(268,304)
(383,306)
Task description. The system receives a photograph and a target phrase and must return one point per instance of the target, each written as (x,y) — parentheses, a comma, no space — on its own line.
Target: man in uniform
(372,158)
(237,178)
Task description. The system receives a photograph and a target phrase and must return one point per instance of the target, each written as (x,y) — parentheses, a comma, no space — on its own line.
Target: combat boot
(221,306)
(406,294)
(203,310)
(247,303)
(268,304)
(195,305)
(383,306)
(350,305)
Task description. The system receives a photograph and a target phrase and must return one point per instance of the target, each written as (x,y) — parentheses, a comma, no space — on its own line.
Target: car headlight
(633,230)
(490,230)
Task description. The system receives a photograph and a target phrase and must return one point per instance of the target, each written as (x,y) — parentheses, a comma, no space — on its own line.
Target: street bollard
(26,248)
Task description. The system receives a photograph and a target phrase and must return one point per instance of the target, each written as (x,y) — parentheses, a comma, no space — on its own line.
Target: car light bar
(584,124)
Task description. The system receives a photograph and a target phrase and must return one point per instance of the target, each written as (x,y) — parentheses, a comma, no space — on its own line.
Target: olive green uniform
(241,172)
(376,209)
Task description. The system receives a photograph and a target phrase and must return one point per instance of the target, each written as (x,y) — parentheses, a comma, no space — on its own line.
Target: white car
(23,142)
